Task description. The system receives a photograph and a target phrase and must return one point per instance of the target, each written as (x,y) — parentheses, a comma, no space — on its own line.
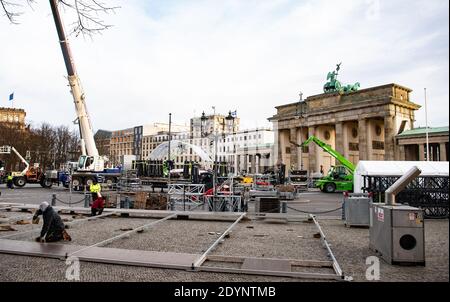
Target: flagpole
(426,126)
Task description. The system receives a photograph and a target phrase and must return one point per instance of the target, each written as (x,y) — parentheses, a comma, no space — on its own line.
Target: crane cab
(91,163)
(85,162)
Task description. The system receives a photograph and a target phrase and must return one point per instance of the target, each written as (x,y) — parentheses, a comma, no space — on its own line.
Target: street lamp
(227,122)
(299,113)
(229,119)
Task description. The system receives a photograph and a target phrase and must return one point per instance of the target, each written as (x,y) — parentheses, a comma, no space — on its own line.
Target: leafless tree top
(86,13)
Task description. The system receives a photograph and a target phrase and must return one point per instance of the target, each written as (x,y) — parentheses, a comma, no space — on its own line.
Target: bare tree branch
(12,9)
(86,14)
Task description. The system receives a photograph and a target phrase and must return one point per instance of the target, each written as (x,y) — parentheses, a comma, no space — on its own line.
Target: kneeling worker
(53,229)
(98,205)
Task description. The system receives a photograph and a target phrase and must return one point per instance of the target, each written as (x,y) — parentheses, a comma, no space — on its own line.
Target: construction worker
(53,228)
(9,181)
(97,206)
(95,189)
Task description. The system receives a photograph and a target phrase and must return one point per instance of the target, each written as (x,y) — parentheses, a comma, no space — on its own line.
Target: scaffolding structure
(225,203)
(184,196)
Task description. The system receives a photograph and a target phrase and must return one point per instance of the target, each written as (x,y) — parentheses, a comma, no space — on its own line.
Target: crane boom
(327,148)
(8,149)
(86,131)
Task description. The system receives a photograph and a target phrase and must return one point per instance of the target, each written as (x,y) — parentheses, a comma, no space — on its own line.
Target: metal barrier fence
(427,192)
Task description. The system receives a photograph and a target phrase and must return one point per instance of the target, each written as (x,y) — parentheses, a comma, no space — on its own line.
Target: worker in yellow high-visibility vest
(9,181)
(95,189)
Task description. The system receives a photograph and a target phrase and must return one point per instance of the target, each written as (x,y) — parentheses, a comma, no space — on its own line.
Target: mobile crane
(90,164)
(339,178)
(35,174)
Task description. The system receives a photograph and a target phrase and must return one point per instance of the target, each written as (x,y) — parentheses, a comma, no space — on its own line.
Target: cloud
(186,56)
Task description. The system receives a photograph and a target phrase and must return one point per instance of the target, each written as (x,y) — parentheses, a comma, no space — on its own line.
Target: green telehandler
(339,178)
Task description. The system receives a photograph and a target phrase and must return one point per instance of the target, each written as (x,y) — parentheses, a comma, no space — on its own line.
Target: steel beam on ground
(141,228)
(203,257)
(270,273)
(294,262)
(336,266)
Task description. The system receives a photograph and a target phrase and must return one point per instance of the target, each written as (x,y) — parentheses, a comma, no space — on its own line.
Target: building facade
(12,117)
(412,144)
(247,151)
(139,140)
(361,125)
(122,143)
(103,142)
(213,128)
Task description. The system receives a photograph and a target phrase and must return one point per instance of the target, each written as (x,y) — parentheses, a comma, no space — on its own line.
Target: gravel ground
(254,238)
(273,240)
(179,236)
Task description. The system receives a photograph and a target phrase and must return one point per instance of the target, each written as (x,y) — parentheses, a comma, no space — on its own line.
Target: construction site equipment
(397,231)
(253,194)
(298,179)
(267,205)
(286,192)
(429,191)
(30,174)
(339,178)
(225,203)
(90,164)
(356,209)
(185,195)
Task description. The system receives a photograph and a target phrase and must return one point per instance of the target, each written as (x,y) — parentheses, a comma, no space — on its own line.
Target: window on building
(353,146)
(378,145)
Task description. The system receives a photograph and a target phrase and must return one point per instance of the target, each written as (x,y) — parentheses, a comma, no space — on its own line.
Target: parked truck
(340,177)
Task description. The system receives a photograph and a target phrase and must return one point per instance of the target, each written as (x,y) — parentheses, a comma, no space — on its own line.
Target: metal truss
(224,203)
(185,195)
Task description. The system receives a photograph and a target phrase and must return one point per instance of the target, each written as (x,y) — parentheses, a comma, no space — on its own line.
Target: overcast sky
(246,55)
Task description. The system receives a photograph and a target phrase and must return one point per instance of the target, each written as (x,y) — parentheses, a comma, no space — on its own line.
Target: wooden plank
(136,257)
(261,264)
(29,248)
(99,254)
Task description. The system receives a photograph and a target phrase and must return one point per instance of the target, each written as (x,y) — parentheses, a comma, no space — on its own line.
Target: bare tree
(86,12)
(49,146)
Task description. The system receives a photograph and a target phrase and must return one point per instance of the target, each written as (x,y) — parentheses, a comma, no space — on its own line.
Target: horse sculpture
(333,85)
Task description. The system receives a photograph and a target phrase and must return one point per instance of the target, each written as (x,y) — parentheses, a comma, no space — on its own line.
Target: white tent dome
(175,147)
